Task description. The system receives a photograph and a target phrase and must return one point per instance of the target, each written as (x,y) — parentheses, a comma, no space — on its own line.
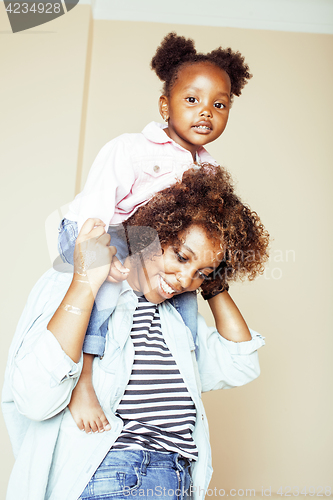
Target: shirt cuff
(246,347)
(54,359)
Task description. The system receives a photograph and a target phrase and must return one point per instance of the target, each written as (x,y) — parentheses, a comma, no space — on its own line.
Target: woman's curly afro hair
(177,51)
(205,197)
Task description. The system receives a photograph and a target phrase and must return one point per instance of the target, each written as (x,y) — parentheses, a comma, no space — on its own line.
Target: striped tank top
(157,410)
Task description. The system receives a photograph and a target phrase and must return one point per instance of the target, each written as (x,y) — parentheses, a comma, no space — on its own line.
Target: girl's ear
(163,106)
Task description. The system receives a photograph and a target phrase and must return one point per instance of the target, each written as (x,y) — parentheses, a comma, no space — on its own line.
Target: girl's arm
(110,179)
(228,319)
(92,260)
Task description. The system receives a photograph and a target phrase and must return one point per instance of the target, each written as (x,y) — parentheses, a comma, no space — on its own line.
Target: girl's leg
(84,405)
(66,240)
(107,296)
(187,306)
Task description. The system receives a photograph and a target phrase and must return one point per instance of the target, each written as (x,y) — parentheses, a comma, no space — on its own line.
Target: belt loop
(187,462)
(145,462)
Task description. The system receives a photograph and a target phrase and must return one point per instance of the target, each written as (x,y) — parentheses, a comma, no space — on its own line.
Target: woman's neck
(132,278)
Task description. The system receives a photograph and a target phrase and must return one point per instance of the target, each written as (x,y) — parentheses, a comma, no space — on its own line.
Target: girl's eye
(219,105)
(192,100)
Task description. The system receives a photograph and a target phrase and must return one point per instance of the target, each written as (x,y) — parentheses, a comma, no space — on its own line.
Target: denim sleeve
(224,364)
(43,377)
(40,376)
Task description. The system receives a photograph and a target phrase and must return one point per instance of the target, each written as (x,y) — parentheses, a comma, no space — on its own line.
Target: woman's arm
(229,322)
(92,260)
(227,353)
(43,365)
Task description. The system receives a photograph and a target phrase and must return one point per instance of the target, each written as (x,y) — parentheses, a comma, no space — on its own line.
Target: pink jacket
(128,171)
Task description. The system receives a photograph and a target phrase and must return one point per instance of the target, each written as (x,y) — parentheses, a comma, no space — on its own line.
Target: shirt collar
(154,132)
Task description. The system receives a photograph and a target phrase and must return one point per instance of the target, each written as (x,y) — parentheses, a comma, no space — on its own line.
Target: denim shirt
(54,459)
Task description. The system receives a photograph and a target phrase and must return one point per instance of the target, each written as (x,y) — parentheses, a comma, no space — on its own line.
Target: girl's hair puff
(177,51)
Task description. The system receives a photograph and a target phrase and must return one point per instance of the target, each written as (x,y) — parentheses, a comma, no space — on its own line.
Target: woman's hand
(92,254)
(92,263)
(92,260)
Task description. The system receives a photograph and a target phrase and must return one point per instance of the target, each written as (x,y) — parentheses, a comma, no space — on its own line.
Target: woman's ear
(163,106)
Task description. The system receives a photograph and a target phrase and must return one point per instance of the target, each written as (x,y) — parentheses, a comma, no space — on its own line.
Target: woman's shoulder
(54,277)
(49,287)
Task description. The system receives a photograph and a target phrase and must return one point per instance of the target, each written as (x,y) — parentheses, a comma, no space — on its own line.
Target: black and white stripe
(156,408)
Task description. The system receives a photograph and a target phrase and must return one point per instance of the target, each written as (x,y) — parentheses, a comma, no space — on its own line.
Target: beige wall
(277,431)
(41,101)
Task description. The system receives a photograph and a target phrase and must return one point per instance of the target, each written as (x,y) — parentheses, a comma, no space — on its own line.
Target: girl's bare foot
(84,405)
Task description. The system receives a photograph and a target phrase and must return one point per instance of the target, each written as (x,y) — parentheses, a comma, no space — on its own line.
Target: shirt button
(156,168)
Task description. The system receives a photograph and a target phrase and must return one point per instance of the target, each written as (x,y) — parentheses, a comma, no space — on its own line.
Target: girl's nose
(206,112)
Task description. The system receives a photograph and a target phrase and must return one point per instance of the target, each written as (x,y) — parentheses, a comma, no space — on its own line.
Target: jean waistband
(149,458)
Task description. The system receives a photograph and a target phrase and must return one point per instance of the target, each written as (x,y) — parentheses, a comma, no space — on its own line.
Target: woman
(150,379)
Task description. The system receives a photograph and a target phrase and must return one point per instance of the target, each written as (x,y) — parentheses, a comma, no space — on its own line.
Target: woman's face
(179,269)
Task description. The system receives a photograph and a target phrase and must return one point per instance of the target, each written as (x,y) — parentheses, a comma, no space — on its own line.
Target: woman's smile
(177,269)
(169,291)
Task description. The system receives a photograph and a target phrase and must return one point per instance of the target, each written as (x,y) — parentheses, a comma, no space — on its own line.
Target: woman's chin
(158,294)
(156,297)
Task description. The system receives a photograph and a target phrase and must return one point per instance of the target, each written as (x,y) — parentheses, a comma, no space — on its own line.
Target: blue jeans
(140,473)
(107,297)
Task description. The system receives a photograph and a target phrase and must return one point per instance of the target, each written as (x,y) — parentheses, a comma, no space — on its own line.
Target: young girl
(197,95)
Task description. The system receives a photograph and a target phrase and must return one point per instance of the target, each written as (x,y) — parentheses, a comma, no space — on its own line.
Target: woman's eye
(181,258)
(192,100)
(203,276)
(219,105)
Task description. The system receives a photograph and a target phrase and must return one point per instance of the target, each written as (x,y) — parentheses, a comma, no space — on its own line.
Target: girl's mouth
(202,127)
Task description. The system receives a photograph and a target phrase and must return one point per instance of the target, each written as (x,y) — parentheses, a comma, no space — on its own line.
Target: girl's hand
(117,272)
(92,254)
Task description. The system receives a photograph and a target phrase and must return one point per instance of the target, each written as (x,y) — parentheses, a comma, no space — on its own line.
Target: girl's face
(198,105)
(178,269)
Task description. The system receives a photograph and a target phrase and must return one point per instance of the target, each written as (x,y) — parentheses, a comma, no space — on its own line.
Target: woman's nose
(185,279)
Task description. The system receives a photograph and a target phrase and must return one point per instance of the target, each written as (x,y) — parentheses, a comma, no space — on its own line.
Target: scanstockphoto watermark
(163,492)
(27,14)
(237,261)
(278,262)
(160,491)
